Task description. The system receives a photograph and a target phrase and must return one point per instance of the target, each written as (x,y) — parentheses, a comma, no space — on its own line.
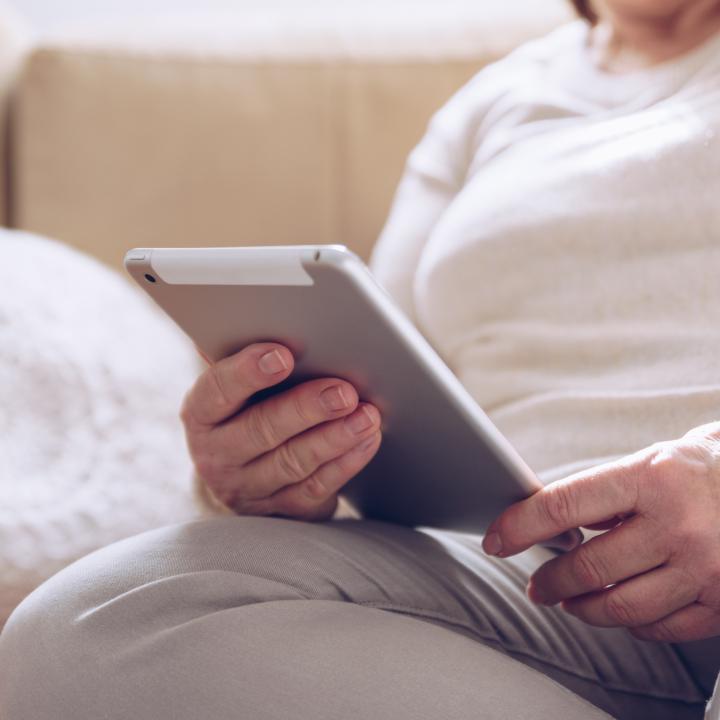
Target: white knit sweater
(557,238)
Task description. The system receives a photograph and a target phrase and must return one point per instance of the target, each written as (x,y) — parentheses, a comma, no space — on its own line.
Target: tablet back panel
(441,462)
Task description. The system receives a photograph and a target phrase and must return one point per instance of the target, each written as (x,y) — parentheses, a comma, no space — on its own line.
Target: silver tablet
(442,463)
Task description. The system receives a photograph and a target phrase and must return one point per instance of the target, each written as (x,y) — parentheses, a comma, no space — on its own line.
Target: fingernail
(334,399)
(272,363)
(492,544)
(359,421)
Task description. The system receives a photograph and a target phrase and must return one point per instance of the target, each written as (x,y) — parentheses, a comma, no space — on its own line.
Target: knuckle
(677,489)
(221,491)
(207,466)
(621,610)
(260,429)
(186,415)
(666,467)
(302,407)
(588,569)
(198,443)
(312,456)
(242,506)
(661,451)
(289,463)
(557,506)
(302,509)
(311,500)
(290,506)
(330,440)
(323,511)
(219,392)
(656,458)
(314,488)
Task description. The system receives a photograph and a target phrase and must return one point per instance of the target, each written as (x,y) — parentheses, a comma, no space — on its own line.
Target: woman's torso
(571,279)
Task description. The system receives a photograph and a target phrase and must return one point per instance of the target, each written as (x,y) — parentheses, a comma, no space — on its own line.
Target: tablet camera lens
(149,278)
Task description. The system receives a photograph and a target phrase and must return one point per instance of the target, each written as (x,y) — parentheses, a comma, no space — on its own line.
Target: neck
(628,39)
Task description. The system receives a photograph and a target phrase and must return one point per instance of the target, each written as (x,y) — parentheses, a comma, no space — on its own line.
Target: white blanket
(91,379)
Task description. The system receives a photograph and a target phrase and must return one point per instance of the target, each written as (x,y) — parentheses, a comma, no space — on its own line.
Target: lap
(278,615)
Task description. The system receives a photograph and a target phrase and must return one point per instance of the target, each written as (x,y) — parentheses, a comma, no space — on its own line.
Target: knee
(99,626)
(64,643)
(37,652)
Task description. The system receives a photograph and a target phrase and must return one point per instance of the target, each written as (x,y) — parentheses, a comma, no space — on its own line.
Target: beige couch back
(261,129)
(14,43)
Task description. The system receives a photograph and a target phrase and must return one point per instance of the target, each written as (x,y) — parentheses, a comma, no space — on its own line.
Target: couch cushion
(257,127)
(91,378)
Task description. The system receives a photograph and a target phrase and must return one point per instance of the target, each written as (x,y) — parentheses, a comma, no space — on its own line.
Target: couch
(262,126)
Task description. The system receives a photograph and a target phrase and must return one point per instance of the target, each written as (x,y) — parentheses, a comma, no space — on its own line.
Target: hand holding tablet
(289,454)
(441,462)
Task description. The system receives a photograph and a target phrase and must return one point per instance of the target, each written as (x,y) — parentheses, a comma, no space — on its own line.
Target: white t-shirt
(557,238)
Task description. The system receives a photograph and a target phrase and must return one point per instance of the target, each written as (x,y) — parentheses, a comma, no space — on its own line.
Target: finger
(228,384)
(643,599)
(304,454)
(311,498)
(593,496)
(601,561)
(269,424)
(693,622)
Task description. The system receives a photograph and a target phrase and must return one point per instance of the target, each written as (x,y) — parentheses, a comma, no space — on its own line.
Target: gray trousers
(268,619)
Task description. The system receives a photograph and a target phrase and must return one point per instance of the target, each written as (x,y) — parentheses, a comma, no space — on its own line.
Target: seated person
(556,236)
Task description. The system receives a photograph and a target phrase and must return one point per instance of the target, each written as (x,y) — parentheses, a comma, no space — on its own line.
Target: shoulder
(524,64)
(454,126)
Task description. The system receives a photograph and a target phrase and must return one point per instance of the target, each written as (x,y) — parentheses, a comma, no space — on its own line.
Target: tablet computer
(442,463)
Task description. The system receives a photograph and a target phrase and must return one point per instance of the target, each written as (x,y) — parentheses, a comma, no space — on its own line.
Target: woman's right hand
(289,454)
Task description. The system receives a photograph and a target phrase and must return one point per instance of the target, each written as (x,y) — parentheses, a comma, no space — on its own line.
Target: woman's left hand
(656,570)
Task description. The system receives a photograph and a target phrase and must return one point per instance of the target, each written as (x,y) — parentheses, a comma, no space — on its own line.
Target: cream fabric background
(259,128)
